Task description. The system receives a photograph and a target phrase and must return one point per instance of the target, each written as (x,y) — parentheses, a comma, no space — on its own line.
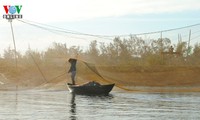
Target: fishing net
(129,61)
(105,76)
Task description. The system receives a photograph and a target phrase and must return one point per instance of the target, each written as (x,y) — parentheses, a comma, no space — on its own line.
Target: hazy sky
(102,17)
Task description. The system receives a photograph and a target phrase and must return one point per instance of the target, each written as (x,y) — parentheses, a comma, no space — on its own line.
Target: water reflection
(59,105)
(73,107)
(16,100)
(91,101)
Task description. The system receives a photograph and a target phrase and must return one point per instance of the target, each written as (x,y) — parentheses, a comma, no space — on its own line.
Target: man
(72,69)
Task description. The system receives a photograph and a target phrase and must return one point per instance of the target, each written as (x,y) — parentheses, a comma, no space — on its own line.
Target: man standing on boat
(72,69)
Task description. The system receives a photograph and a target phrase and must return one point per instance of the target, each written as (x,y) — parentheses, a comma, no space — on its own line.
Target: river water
(61,105)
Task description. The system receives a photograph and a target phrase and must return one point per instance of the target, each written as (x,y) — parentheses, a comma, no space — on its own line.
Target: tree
(160,45)
(182,48)
(196,51)
(93,49)
(9,54)
(57,50)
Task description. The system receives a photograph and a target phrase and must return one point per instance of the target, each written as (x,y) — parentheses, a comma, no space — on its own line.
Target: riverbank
(136,79)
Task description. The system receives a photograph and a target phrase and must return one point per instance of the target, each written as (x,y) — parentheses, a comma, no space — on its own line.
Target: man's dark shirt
(73,64)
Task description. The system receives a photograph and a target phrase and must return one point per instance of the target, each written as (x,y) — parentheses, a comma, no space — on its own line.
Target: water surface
(61,105)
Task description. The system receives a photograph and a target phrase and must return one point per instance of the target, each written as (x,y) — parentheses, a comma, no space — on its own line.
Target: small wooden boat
(90,88)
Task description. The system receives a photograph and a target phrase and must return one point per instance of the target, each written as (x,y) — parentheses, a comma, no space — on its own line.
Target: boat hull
(90,89)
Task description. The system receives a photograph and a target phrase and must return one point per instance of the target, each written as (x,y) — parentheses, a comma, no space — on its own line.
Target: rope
(38,67)
(57,77)
(103,36)
(52,79)
(56,29)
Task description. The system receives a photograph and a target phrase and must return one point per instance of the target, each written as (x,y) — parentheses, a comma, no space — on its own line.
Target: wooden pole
(178,38)
(161,35)
(161,42)
(189,43)
(15,55)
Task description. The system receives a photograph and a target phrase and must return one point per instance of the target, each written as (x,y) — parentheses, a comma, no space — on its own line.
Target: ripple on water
(60,105)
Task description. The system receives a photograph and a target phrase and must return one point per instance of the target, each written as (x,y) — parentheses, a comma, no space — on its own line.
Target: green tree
(196,51)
